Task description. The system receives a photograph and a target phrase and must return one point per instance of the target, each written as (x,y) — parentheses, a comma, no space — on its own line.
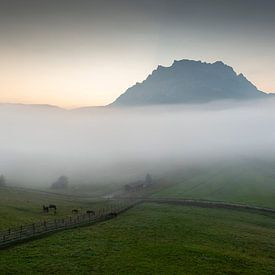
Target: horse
(90,212)
(52,206)
(75,211)
(45,209)
(112,214)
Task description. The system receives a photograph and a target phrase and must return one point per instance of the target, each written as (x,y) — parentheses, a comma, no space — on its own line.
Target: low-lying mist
(38,144)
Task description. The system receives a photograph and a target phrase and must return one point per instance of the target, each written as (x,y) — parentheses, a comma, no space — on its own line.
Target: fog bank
(38,144)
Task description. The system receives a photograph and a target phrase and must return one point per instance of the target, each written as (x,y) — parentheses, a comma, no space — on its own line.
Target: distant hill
(21,106)
(188,81)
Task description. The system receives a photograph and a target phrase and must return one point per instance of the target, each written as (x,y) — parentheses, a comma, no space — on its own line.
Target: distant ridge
(189,81)
(22,105)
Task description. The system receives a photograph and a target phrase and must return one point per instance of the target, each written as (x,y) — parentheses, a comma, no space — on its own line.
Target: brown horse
(45,209)
(112,215)
(52,206)
(90,212)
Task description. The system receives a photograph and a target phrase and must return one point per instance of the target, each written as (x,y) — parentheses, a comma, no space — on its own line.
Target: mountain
(188,81)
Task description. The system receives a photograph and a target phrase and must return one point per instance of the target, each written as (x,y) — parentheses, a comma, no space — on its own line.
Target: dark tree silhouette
(2,180)
(148,179)
(61,183)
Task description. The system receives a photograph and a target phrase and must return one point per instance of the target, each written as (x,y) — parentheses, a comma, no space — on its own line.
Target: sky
(86,53)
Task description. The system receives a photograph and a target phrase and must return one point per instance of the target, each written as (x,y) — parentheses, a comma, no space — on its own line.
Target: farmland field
(23,206)
(153,238)
(248,184)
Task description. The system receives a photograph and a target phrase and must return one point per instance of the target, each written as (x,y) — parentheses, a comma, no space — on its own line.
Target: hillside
(248,182)
(189,81)
(160,237)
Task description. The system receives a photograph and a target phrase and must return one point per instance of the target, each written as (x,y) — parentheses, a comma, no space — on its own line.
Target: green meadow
(19,206)
(252,183)
(153,238)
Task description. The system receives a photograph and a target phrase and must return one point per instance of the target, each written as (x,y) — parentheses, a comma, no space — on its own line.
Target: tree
(61,183)
(2,180)
(148,179)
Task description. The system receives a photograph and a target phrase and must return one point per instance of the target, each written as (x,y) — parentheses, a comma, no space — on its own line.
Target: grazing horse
(112,215)
(90,212)
(45,209)
(52,206)
(75,211)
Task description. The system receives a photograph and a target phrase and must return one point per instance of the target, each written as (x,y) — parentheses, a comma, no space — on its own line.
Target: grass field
(23,206)
(154,239)
(248,184)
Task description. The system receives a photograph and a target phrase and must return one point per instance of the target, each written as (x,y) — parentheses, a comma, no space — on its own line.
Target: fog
(38,144)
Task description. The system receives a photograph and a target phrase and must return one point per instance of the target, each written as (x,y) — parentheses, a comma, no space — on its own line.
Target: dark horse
(90,212)
(45,209)
(52,206)
(112,215)
(75,211)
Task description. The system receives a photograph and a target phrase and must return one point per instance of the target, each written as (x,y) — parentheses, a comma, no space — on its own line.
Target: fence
(25,232)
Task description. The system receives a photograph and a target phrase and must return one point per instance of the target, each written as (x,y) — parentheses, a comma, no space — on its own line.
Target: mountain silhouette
(188,81)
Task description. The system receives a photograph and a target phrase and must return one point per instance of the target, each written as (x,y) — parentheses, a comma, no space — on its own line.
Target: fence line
(26,232)
(118,206)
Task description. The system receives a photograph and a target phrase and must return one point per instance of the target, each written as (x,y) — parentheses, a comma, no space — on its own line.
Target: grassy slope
(19,206)
(241,184)
(153,238)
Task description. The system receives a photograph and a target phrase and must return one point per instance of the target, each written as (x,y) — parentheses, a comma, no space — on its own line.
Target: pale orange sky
(88,53)
(94,81)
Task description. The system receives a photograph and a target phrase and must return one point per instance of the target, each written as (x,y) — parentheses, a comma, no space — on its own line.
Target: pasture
(154,239)
(250,183)
(24,206)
